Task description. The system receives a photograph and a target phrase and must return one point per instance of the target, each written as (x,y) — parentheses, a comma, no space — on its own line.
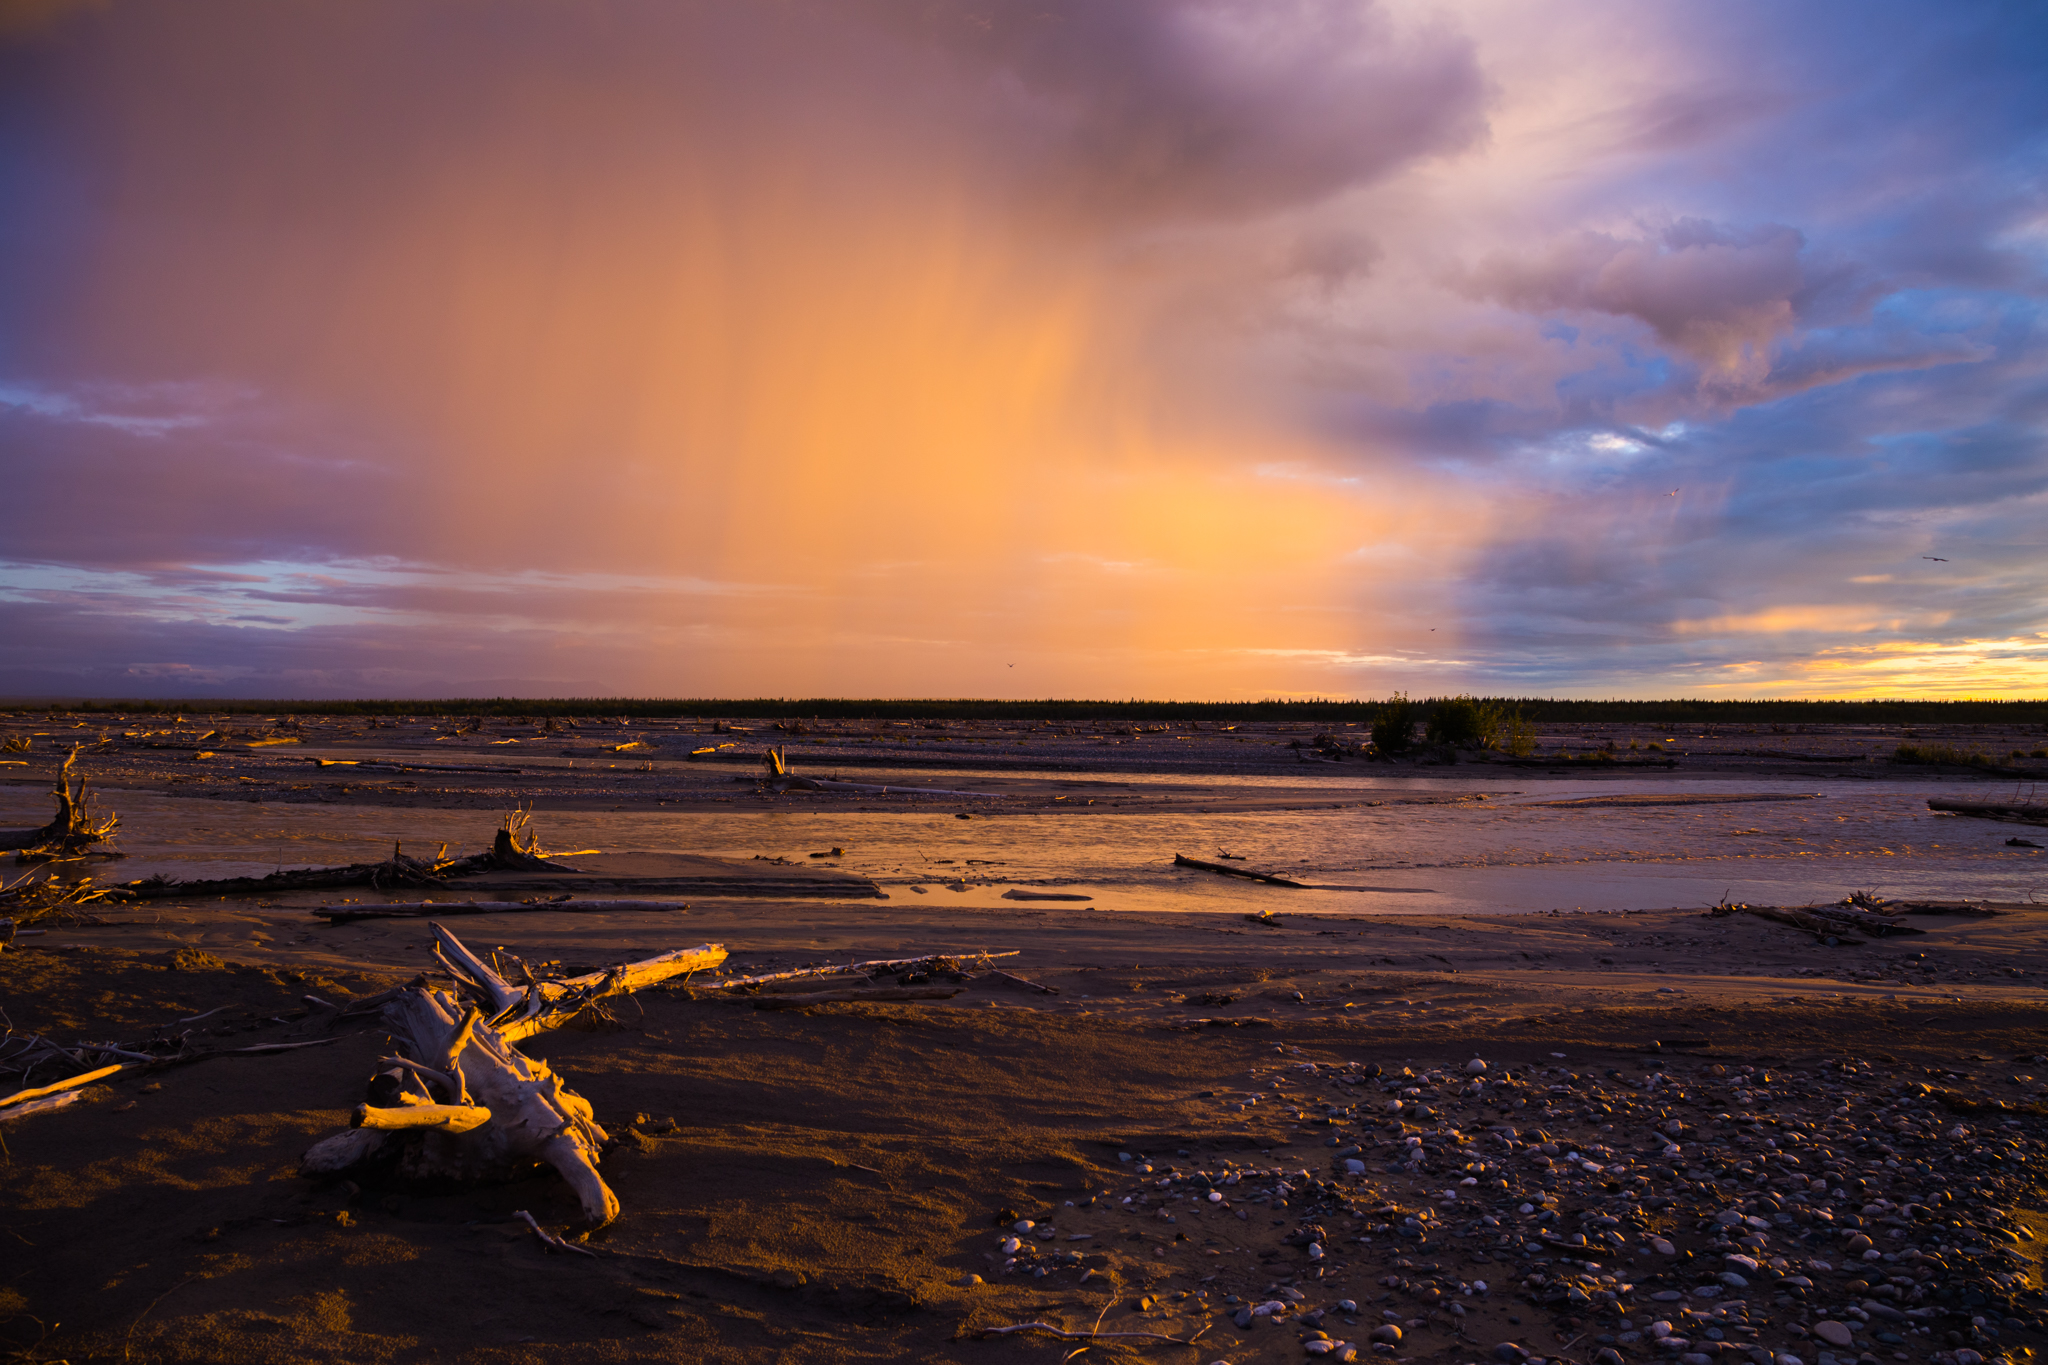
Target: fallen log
(519,1014)
(513,849)
(1016,894)
(23,1096)
(1182,860)
(344,914)
(2017,812)
(478,1109)
(368,765)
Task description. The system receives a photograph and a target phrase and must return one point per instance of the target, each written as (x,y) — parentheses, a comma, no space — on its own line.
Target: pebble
(1798,1200)
(1833,1333)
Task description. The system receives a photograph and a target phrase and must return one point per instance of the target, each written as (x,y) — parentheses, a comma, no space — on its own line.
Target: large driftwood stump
(459,1102)
(76,831)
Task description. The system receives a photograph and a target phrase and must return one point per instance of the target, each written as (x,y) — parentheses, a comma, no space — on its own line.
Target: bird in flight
(1672,494)
(1936,558)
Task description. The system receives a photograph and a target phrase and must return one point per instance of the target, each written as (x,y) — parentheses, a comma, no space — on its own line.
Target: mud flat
(609,763)
(1852,1132)
(1226,1121)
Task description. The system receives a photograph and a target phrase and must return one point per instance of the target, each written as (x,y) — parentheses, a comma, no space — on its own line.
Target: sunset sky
(1097,348)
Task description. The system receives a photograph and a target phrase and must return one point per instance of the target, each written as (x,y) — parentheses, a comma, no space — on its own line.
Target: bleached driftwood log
(519,1013)
(461,1103)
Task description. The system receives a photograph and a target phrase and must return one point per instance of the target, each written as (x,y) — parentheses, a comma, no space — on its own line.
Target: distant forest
(1539,710)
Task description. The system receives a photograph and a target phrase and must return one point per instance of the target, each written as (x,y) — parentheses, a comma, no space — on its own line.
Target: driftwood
(1015,980)
(462,1103)
(776,776)
(2018,812)
(42,1106)
(519,1013)
(343,914)
(1016,894)
(1182,860)
(514,849)
(36,898)
(368,765)
(74,832)
(1823,921)
(880,964)
(1063,1334)
(23,1096)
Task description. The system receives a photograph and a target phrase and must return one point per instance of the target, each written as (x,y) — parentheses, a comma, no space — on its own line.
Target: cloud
(1217,106)
(774,347)
(1721,296)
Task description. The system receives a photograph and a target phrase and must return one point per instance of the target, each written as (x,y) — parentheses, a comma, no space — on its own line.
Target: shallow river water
(1505,854)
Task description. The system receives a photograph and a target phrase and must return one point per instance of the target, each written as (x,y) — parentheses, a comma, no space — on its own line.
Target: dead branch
(36,898)
(873,965)
(1027,984)
(22,1096)
(548,1239)
(520,1013)
(1182,860)
(344,914)
(1064,1335)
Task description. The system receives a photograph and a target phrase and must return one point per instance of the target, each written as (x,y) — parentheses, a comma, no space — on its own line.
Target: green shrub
(1462,722)
(1393,728)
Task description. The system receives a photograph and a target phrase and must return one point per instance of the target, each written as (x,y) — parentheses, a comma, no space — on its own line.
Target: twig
(736,982)
(1083,1350)
(278,1047)
(1065,1335)
(1018,980)
(548,1239)
(128,1342)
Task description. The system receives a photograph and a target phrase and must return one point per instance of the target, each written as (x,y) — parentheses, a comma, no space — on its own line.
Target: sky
(1191,349)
